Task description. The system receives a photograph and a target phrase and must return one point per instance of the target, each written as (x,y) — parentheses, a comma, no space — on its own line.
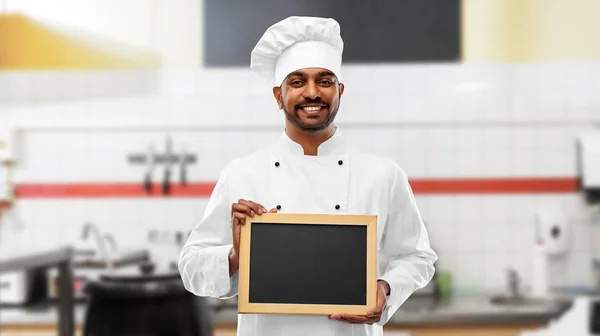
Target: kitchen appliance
(143,301)
(595,317)
(22,287)
(582,319)
(588,166)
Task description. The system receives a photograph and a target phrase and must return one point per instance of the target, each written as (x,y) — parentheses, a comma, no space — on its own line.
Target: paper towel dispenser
(588,166)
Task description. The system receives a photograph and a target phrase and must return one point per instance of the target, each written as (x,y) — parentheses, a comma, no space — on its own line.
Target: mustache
(308,101)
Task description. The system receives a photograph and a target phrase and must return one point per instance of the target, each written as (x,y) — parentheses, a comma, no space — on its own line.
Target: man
(309,170)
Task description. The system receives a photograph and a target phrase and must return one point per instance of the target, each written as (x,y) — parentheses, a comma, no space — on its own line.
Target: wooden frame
(246,307)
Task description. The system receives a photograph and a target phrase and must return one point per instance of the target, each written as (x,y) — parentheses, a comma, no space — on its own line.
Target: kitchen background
(489,141)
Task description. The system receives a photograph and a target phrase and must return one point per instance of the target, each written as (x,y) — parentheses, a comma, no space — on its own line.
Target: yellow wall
(28,45)
(530,30)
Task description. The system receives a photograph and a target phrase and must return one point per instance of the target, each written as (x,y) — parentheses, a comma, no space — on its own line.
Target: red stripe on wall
(495,186)
(204,189)
(98,190)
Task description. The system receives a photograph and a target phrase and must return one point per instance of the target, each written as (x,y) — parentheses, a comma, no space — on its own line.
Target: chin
(314,127)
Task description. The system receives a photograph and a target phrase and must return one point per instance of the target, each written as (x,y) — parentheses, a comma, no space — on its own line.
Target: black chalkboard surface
(308,264)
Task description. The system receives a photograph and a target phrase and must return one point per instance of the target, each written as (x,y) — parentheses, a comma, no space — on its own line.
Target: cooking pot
(143,302)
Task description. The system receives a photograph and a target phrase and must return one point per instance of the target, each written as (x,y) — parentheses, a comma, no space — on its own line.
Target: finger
(375,311)
(355,318)
(372,320)
(239,218)
(257,208)
(238,207)
(274,210)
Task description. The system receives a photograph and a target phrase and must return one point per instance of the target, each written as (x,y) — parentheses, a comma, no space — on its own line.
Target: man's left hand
(373,316)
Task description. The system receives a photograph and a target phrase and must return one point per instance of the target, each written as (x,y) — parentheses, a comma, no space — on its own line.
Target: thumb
(274,210)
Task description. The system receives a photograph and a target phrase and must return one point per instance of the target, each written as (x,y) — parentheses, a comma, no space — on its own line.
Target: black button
(276,164)
(278,207)
(337,207)
(340,162)
(555,232)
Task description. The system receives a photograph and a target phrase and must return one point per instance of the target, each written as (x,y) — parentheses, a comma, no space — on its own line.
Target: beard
(294,117)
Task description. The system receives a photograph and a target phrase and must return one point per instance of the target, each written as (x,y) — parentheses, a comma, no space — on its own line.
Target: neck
(309,141)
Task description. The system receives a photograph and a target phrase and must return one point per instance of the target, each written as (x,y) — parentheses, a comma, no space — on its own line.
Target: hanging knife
(166,185)
(183,168)
(151,163)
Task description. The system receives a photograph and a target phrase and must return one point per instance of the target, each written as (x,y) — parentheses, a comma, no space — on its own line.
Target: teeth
(312,108)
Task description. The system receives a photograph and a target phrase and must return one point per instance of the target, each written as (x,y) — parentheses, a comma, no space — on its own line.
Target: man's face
(310,98)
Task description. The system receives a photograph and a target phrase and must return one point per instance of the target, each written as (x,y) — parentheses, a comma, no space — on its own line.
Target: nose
(311,90)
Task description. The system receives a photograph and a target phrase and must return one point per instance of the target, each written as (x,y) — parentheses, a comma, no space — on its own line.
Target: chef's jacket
(335,181)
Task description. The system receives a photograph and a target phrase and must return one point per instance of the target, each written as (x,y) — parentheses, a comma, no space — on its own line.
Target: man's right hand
(239,211)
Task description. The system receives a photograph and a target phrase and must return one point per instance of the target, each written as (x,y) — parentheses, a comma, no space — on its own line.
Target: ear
(277,95)
(341,88)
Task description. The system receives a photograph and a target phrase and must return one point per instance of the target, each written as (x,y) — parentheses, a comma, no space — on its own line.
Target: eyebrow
(297,73)
(326,73)
(302,74)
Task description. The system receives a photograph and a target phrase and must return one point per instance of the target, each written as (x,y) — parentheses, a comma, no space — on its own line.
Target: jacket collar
(336,145)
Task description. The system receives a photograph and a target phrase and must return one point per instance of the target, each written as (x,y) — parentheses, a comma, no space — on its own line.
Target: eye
(296,82)
(326,82)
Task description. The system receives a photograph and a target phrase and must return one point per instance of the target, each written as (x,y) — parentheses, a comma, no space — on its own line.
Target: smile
(312,109)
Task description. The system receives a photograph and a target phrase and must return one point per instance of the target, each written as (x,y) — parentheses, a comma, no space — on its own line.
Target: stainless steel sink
(91,259)
(514,297)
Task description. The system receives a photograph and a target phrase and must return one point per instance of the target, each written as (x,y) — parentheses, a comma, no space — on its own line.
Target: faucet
(513,283)
(92,228)
(111,239)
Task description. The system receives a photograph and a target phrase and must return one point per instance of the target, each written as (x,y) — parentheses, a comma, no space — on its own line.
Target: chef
(309,169)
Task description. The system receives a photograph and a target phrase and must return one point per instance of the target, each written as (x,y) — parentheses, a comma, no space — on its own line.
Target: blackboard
(307,264)
(388,31)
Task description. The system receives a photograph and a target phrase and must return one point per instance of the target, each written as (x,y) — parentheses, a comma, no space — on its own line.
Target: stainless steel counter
(460,311)
(469,310)
(31,316)
(59,258)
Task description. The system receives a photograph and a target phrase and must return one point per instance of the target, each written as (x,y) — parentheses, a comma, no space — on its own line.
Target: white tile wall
(440,120)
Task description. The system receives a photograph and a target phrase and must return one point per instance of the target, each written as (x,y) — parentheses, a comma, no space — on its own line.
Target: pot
(143,302)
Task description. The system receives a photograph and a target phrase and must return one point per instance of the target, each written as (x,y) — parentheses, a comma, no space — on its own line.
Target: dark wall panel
(373,31)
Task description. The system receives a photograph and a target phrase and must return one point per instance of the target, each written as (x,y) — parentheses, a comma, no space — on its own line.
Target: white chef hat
(296,43)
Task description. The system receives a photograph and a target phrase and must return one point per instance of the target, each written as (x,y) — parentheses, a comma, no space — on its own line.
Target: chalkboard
(388,31)
(308,264)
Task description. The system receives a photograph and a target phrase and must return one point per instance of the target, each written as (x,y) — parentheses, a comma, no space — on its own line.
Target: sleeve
(405,244)
(204,258)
